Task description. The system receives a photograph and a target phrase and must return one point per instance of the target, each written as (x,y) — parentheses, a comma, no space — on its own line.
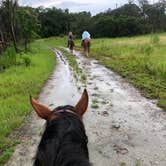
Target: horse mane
(64,142)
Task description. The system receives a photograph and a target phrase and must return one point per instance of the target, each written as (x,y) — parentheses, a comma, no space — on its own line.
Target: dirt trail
(59,90)
(126,129)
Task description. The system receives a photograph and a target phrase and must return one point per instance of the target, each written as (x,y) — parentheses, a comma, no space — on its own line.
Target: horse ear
(41,110)
(82,104)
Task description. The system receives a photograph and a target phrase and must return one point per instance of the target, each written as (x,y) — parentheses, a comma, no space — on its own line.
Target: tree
(8,11)
(28,25)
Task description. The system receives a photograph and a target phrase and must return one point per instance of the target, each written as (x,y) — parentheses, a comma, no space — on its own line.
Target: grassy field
(141,60)
(16,84)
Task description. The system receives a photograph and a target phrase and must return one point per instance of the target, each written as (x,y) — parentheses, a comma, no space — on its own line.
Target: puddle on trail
(126,129)
(61,88)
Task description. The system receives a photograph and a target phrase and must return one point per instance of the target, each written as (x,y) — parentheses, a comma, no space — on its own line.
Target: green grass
(16,84)
(7,58)
(141,60)
(95,104)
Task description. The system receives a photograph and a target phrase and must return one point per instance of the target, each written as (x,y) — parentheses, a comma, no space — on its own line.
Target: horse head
(64,141)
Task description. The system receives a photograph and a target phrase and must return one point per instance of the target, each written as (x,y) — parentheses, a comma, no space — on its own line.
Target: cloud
(70,4)
(94,6)
(37,3)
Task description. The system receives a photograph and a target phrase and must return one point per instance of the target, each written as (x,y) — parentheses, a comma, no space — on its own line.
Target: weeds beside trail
(78,73)
(16,84)
(142,60)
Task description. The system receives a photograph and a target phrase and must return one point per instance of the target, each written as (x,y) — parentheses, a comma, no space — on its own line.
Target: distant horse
(86,46)
(71,45)
(64,142)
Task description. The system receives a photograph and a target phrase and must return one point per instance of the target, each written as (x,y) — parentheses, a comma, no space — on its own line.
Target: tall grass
(8,58)
(16,84)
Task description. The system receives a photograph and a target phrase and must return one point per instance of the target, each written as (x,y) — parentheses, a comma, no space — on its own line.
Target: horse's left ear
(41,110)
(82,104)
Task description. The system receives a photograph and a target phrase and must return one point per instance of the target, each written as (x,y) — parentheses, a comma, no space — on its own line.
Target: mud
(124,129)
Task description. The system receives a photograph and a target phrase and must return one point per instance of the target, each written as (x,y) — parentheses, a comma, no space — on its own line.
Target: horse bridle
(71,111)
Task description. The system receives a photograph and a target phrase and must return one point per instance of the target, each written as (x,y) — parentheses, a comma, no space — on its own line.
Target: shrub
(8,58)
(27,61)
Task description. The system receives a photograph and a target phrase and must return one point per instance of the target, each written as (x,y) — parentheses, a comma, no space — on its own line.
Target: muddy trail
(124,128)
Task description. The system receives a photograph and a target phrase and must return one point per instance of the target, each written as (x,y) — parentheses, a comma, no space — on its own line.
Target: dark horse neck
(64,143)
(73,155)
(69,155)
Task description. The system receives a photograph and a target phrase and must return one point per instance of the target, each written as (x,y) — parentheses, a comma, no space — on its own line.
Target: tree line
(19,25)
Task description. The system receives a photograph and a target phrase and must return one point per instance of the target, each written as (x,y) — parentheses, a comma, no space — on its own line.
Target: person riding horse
(70,41)
(86,42)
(85,36)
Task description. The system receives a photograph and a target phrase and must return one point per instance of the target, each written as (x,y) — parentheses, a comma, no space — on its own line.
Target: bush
(8,58)
(27,61)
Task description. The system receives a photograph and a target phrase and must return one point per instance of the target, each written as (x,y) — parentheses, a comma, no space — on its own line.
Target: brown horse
(86,46)
(64,141)
(71,45)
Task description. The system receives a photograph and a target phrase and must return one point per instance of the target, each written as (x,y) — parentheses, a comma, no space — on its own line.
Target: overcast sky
(94,6)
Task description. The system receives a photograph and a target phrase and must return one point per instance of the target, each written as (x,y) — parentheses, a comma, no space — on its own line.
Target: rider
(70,38)
(85,35)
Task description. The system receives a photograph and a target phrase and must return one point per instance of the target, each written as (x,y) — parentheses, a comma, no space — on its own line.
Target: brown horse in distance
(86,46)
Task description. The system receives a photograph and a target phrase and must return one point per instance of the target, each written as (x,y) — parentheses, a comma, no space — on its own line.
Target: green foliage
(95,104)
(8,58)
(108,26)
(57,22)
(127,20)
(27,60)
(6,155)
(17,83)
(155,39)
(29,25)
(148,49)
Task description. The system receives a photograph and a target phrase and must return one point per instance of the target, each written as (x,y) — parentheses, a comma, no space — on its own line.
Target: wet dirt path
(126,128)
(60,89)
(123,129)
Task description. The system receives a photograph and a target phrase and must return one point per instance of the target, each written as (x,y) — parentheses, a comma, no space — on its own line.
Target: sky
(94,6)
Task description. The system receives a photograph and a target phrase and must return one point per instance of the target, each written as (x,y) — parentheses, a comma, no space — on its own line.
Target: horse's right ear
(41,110)
(82,104)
